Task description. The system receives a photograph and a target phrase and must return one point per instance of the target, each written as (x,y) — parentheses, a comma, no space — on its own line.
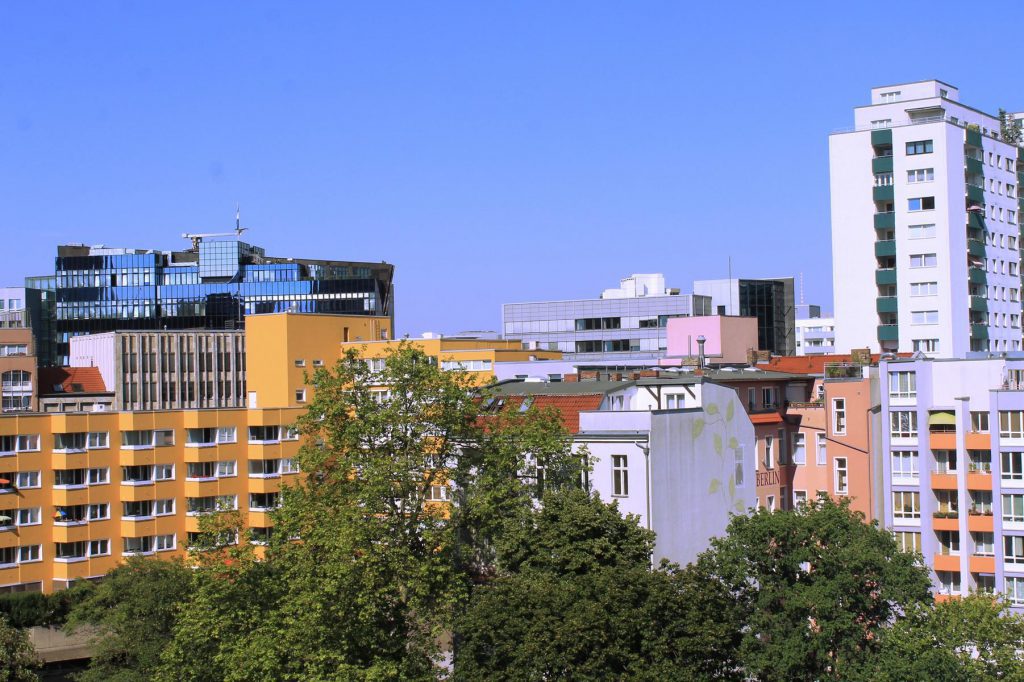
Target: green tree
(132,611)
(975,638)
(812,589)
(380,568)
(577,599)
(1009,128)
(18,660)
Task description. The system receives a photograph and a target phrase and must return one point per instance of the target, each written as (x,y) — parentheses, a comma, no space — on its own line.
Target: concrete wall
(96,350)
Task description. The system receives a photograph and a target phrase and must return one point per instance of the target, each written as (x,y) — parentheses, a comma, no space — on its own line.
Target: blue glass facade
(99,289)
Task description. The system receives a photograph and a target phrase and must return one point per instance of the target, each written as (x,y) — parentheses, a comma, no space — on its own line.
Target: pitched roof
(58,380)
(813,364)
(568,406)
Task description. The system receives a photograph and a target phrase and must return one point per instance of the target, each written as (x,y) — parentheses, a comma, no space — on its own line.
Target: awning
(942,419)
(766,418)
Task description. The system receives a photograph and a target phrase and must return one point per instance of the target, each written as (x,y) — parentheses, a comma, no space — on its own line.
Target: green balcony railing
(885,221)
(979,331)
(885,276)
(881,137)
(975,193)
(979,303)
(888,332)
(886,304)
(881,164)
(885,247)
(976,219)
(974,138)
(977,276)
(974,167)
(883,193)
(975,248)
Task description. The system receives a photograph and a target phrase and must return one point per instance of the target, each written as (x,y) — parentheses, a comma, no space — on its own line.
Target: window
(69,551)
(289,466)
(949,542)
(924,317)
(620,476)
(1013,508)
(142,545)
(164,542)
(69,477)
(1013,466)
(921,204)
(902,384)
(300,395)
(738,466)
(906,505)
(1013,549)
(467,365)
(437,493)
(674,401)
(163,472)
(883,179)
(945,461)
(259,501)
(99,440)
(28,443)
(924,288)
(751,398)
(841,476)
(881,123)
(226,434)
(300,363)
(799,449)
(69,442)
(163,437)
(99,475)
(318,363)
(200,437)
(908,541)
(27,479)
(1011,424)
(979,422)
(889,97)
(15,391)
(9,349)
(839,416)
(769,455)
(27,553)
(799,498)
(136,439)
(905,464)
(903,424)
(164,507)
(768,397)
(291,433)
(949,582)
(979,461)
(137,510)
(919,147)
(1015,590)
(923,260)
(375,364)
(984,543)
(99,511)
(926,345)
(821,457)
(264,434)
(29,516)
(921,175)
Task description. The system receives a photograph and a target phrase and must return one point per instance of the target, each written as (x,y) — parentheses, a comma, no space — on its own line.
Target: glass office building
(212,286)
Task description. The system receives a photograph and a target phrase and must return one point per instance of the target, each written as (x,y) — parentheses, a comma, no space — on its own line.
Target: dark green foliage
(31,609)
(18,660)
(133,611)
(813,589)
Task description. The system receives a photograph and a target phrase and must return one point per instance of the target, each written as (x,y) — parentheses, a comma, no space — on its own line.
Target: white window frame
(620,475)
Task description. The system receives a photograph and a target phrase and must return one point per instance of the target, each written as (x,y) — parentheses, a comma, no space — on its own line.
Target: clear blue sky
(494,152)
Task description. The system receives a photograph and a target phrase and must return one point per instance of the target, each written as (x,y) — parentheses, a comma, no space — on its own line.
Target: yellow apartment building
(79,491)
(476,356)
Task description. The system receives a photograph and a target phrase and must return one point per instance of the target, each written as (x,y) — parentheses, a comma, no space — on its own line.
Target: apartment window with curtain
(821,452)
(906,505)
(839,416)
(799,449)
(903,424)
(842,480)
(902,384)
(1011,424)
(905,464)
(620,476)
(769,452)
(1013,466)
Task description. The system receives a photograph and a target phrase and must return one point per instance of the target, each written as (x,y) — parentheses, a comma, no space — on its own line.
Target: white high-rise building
(925,226)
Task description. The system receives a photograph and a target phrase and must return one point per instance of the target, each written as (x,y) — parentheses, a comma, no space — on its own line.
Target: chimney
(700,351)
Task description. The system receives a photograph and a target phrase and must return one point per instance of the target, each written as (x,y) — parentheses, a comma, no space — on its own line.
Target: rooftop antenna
(197,238)
(238,220)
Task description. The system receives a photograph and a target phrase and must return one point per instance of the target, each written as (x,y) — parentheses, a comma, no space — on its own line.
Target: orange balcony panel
(136,457)
(981,524)
(946,562)
(70,570)
(69,423)
(10,501)
(259,519)
(69,460)
(70,533)
(64,497)
(9,538)
(945,597)
(946,524)
(942,441)
(978,441)
(983,564)
(264,485)
(979,481)
(268,451)
(204,455)
(202,488)
(137,493)
(192,524)
(943,481)
(138,529)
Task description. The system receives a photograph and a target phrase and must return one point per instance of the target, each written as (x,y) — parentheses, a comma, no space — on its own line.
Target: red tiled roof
(71,380)
(766,418)
(568,406)
(812,364)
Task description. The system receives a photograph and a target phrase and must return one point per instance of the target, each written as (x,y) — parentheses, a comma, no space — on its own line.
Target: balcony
(888,332)
(979,303)
(980,524)
(975,193)
(979,331)
(882,137)
(976,220)
(946,562)
(883,193)
(943,521)
(881,164)
(977,275)
(885,304)
(885,221)
(943,481)
(973,166)
(885,247)
(982,564)
(974,138)
(976,248)
(885,276)
(978,480)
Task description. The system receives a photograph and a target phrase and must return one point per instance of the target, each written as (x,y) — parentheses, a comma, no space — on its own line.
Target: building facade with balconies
(953,469)
(925,226)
